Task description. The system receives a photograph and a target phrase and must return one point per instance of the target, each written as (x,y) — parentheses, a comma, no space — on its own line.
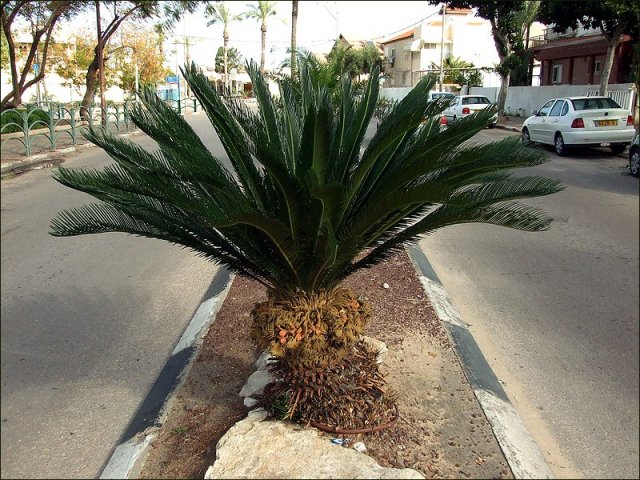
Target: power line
(408,26)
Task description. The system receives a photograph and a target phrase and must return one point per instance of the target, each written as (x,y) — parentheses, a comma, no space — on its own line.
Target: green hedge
(15,117)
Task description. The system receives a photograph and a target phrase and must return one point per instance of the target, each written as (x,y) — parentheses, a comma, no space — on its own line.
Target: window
(544,111)
(404,78)
(430,45)
(596,66)
(594,103)
(557,108)
(475,101)
(565,109)
(556,74)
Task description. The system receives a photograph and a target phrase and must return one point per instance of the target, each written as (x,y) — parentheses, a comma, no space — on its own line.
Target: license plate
(605,123)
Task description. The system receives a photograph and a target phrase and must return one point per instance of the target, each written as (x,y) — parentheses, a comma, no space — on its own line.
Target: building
(576,57)
(411,53)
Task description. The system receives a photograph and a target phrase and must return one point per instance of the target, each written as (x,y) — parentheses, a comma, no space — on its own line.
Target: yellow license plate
(606,123)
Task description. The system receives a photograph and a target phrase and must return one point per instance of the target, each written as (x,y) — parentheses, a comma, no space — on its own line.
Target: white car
(580,121)
(465,105)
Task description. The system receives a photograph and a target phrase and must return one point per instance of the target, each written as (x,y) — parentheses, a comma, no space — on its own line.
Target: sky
(318,24)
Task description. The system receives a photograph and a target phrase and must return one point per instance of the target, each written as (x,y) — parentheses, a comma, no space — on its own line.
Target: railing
(52,121)
(184,105)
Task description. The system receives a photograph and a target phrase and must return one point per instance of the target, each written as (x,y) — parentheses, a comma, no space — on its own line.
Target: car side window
(544,111)
(557,108)
(565,109)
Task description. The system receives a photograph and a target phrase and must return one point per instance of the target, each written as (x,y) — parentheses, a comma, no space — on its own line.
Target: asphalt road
(556,313)
(87,324)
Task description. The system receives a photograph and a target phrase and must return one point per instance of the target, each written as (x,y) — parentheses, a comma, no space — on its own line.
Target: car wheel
(526,139)
(492,125)
(634,158)
(617,148)
(561,148)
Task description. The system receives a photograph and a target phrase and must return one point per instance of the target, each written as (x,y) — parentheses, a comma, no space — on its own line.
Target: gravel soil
(442,431)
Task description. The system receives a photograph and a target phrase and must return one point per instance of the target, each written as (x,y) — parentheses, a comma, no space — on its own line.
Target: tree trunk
(294,35)
(263,30)
(612,46)
(90,92)
(502,96)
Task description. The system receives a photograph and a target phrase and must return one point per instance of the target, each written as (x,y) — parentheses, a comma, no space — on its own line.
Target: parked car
(634,155)
(465,105)
(580,121)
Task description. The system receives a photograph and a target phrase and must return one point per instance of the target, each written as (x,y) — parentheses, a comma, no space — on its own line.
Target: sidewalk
(13,159)
(513,124)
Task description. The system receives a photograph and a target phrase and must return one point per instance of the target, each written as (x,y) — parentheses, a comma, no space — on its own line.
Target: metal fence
(55,122)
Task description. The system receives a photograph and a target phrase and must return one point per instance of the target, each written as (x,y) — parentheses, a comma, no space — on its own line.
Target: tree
(261,12)
(167,13)
(294,35)
(146,47)
(303,205)
(219,13)
(612,17)
(459,71)
(503,15)
(41,17)
(234,59)
(71,61)
(4,51)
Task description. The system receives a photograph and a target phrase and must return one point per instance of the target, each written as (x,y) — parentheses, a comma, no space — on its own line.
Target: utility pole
(103,103)
(444,16)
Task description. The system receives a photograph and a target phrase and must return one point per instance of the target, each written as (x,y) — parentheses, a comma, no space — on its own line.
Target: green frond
(305,194)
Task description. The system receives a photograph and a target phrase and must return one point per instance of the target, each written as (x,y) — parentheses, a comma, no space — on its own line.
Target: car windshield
(475,101)
(594,103)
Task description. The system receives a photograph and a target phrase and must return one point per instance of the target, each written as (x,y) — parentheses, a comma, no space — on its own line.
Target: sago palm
(306,203)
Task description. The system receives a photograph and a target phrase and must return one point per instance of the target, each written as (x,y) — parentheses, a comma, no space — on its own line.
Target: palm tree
(305,204)
(261,12)
(294,35)
(219,13)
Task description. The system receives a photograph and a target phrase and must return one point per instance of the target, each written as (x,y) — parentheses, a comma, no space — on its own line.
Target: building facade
(410,54)
(576,57)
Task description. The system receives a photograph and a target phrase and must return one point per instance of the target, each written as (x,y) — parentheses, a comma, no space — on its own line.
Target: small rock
(250,402)
(359,447)
(263,360)
(385,285)
(256,383)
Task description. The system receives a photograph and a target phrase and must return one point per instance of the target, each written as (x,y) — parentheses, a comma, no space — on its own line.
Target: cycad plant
(305,203)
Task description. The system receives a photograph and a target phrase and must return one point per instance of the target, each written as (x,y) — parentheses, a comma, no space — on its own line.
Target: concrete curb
(519,448)
(507,127)
(39,158)
(153,410)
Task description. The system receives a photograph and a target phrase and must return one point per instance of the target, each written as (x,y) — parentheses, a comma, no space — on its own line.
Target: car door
(550,124)
(536,123)
(449,113)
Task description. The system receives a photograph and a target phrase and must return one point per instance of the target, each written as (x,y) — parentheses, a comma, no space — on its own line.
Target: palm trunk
(294,35)
(263,30)
(225,41)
